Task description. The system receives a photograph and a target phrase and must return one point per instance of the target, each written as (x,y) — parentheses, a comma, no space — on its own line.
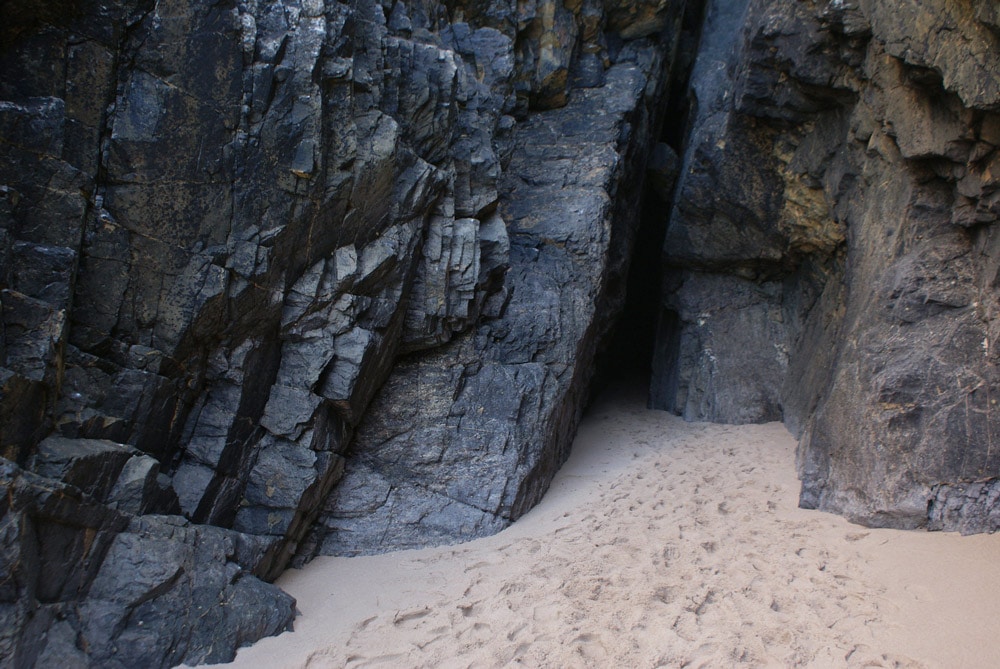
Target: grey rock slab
(731,347)
(166,589)
(463,439)
(93,465)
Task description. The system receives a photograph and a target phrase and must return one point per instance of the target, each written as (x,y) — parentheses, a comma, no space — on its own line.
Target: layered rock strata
(221,223)
(832,255)
(213,221)
(464,439)
(224,226)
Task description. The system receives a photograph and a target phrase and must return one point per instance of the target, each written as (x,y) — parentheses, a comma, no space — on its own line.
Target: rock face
(299,277)
(831,253)
(221,223)
(464,439)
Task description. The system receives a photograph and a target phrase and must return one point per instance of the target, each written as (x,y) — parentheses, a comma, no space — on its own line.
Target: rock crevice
(463,439)
(301,277)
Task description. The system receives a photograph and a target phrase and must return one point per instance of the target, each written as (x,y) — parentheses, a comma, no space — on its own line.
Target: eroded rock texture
(464,439)
(255,253)
(221,223)
(832,254)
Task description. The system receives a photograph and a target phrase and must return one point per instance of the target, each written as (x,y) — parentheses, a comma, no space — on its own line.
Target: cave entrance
(644,329)
(627,360)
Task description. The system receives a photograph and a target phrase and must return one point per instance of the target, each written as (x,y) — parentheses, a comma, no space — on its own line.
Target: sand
(660,543)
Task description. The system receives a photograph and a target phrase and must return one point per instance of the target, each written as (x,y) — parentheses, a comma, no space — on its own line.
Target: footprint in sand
(680,578)
(402,618)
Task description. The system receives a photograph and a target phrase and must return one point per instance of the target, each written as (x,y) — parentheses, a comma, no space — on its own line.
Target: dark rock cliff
(223,222)
(831,256)
(464,439)
(301,277)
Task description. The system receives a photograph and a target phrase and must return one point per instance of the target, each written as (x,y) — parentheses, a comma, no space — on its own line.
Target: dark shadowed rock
(220,224)
(268,262)
(89,587)
(173,609)
(844,185)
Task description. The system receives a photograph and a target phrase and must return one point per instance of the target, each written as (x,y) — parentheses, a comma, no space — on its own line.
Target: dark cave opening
(645,333)
(627,359)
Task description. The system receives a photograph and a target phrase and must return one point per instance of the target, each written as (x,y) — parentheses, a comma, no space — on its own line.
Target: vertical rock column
(722,353)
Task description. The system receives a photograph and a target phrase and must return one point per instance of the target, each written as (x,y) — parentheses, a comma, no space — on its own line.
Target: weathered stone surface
(664,164)
(465,438)
(729,347)
(33,334)
(953,40)
(464,261)
(92,465)
(220,224)
(212,219)
(173,609)
(86,586)
(721,351)
(54,542)
(848,183)
(966,507)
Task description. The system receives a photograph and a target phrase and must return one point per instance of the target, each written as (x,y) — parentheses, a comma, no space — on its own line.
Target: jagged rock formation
(255,252)
(831,254)
(464,439)
(222,222)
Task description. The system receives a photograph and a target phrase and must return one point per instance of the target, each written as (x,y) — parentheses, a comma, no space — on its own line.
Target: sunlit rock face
(831,253)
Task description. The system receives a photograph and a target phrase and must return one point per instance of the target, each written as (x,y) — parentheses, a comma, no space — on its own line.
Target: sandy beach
(660,544)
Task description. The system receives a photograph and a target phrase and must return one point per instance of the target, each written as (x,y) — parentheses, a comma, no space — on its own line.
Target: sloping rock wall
(221,223)
(464,439)
(255,252)
(213,215)
(832,255)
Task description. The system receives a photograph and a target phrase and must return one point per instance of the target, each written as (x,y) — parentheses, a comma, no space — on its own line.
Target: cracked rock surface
(832,253)
(463,439)
(221,224)
(299,277)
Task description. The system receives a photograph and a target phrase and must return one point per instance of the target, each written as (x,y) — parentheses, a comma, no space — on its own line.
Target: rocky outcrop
(222,223)
(213,265)
(831,253)
(86,584)
(463,440)
(300,277)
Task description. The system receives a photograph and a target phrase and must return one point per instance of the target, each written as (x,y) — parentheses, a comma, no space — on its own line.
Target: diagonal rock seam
(484,413)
